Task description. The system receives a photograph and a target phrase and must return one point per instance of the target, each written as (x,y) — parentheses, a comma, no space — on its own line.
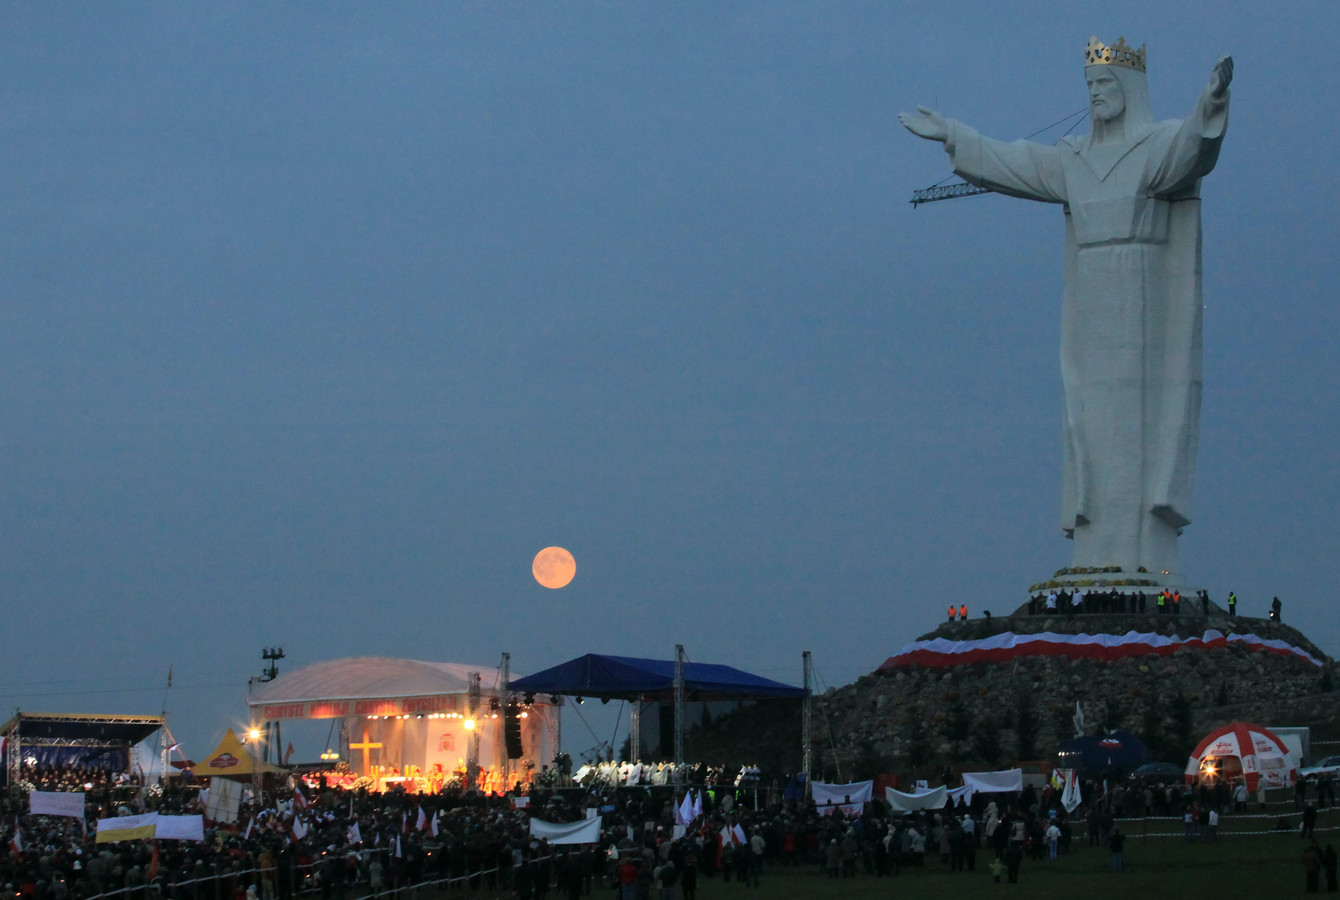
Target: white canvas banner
(905,803)
(225,799)
(180,828)
(56,803)
(828,794)
(586,831)
(995,782)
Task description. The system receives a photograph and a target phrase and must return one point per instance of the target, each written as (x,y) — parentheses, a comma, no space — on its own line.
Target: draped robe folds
(1130,321)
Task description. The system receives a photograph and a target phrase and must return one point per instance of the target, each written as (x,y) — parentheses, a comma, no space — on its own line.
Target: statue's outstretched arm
(926,123)
(1220,78)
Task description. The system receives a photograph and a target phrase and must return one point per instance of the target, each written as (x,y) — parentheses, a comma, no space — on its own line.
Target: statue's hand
(1221,77)
(926,123)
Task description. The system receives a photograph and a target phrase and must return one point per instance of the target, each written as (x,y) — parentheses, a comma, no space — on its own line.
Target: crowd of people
(1113,601)
(342,844)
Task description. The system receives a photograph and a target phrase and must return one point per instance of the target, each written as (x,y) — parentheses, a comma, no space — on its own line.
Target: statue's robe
(1130,321)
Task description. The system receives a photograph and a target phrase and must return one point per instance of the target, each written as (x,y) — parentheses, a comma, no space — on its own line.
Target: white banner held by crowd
(224,800)
(905,803)
(856,792)
(586,831)
(995,782)
(180,828)
(56,803)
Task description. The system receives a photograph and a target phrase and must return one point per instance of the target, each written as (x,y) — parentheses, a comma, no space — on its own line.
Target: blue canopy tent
(630,678)
(636,680)
(1119,750)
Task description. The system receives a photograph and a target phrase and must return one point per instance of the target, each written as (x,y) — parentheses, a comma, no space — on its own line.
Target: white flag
(1070,797)
(355,834)
(432,824)
(398,854)
(422,821)
(1078,719)
(684,812)
(697,804)
(299,830)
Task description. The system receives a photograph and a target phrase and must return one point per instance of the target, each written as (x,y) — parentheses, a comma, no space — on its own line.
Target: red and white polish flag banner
(940,652)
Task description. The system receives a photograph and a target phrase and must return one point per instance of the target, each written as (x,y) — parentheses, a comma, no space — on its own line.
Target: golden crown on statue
(1119,54)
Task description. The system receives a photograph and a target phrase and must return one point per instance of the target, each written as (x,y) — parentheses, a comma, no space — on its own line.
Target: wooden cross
(366,746)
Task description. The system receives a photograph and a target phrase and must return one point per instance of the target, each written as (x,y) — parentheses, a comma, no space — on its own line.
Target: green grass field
(1259,867)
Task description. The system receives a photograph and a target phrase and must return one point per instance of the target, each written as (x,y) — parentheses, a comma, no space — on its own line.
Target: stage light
(580,700)
(469,724)
(254,734)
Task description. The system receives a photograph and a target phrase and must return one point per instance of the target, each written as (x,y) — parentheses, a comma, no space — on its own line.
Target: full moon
(554,567)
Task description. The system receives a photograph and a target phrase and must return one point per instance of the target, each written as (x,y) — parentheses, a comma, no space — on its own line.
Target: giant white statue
(1131,315)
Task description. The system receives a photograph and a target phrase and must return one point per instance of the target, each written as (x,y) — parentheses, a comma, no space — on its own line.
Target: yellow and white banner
(127,828)
(151,825)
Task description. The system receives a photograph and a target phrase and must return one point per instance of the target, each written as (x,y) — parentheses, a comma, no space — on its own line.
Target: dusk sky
(319,320)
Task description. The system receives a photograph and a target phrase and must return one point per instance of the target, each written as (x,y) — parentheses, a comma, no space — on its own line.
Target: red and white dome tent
(1253,752)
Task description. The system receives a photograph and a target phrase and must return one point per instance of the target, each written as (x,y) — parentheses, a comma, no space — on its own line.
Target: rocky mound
(993,713)
(984,715)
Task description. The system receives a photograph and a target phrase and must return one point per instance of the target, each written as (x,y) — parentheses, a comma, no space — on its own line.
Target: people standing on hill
(1275,606)
(1232,605)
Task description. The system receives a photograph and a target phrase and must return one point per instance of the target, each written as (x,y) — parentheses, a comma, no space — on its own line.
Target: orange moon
(554,567)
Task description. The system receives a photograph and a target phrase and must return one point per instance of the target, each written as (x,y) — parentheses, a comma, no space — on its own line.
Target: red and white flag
(16,842)
(299,830)
(299,801)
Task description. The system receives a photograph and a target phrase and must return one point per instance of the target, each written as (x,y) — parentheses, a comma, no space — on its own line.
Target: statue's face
(1107,100)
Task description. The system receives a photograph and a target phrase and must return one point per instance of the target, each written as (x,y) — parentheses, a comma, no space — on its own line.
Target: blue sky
(319,320)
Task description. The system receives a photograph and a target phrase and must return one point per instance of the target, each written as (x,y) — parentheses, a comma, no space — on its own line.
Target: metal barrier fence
(306,881)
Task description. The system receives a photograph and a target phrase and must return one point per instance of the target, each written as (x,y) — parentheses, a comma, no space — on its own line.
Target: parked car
(1159,773)
(1328,766)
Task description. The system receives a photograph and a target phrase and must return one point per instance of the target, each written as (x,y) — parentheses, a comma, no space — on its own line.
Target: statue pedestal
(1111,579)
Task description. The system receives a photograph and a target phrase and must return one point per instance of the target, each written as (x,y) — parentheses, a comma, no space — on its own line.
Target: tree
(1112,714)
(1151,728)
(957,730)
(1025,728)
(986,741)
(918,742)
(1180,712)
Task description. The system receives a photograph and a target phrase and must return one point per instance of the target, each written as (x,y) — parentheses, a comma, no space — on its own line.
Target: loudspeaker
(512,731)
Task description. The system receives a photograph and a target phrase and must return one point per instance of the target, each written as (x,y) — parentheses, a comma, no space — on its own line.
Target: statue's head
(1107,97)
(1118,94)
